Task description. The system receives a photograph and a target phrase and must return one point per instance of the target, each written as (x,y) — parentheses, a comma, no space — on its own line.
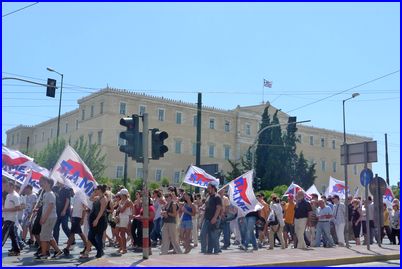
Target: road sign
(355,153)
(373,185)
(366,176)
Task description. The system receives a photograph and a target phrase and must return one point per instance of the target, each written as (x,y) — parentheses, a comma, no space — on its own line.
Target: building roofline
(336,131)
(142,95)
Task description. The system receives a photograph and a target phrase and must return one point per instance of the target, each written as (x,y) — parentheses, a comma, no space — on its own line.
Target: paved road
(191,259)
(390,263)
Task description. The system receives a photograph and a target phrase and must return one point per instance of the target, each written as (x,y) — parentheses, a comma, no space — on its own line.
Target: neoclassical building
(226,134)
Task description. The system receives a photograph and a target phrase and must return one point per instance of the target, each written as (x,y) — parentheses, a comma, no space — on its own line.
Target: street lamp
(61,93)
(346,169)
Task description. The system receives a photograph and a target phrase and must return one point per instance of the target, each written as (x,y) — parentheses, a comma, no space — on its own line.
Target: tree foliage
(91,155)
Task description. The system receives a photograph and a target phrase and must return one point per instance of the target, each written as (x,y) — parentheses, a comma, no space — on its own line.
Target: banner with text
(241,193)
(198,177)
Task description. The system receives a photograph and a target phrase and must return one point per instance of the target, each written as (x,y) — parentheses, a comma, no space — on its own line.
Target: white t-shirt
(12,201)
(22,202)
(77,207)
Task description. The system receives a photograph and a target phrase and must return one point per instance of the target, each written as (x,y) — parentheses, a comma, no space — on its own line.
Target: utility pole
(125,171)
(386,159)
(145,198)
(198,138)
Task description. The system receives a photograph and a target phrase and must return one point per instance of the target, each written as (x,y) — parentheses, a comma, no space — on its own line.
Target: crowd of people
(179,221)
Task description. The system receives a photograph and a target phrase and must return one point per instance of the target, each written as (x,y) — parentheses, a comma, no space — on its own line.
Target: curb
(328,262)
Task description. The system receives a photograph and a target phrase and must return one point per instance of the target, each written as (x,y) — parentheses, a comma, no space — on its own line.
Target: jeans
(96,239)
(10,226)
(157,230)
(250,236)
(323,229)
(226,234)
(209,238)
(64,225)
(243,229)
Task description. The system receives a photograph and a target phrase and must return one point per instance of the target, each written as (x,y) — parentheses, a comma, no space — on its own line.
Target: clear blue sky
(309,51)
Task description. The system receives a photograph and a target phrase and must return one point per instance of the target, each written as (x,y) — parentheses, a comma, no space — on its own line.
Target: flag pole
(263,80)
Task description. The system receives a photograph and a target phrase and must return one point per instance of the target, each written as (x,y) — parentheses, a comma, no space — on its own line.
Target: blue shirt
(322,212)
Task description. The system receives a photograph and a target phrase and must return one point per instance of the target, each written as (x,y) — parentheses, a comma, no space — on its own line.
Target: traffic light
(158,148)
(133,137)
(51,87)
(292,125)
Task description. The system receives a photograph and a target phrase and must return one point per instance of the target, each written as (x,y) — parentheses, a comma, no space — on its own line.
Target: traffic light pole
(145,199)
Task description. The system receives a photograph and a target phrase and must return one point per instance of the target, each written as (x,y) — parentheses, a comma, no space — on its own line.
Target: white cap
(123,192)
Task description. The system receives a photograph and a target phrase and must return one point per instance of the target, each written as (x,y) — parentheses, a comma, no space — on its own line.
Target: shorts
(123,222)
(75,225)
(46,233)
(289,228)
(186,224)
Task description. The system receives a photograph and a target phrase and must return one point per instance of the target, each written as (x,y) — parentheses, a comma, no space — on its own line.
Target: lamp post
(61,93)
(346,170)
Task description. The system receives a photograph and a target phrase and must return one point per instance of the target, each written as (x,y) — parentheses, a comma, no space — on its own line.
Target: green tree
(305,173)
(396,191)
(235,172)
(165,182)
(153,186)
(90,154)
(262,154)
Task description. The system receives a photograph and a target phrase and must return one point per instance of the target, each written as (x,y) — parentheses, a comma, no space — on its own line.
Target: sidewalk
(262,257)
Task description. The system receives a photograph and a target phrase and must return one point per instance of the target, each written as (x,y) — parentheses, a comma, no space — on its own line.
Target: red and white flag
(267,83)
(198,177)
(388,196)
(293,189)
(241,194)
(71,171)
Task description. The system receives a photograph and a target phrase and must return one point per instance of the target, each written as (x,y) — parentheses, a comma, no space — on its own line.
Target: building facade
(226,135)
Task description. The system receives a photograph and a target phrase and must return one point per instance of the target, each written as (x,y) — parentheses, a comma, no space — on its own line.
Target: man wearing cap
(209,229)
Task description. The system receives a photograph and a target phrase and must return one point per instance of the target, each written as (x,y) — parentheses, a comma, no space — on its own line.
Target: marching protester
(30,199)
(276,227)
(324,215)
(357,216)
(10,210)
(210,225)
(125,213)
(303,212)
(189,211)
(169,231)
(63,197)
(48,221)
(97,220)
(77,220)
(339,220)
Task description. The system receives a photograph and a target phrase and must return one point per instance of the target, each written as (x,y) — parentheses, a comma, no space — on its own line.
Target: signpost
(365,152)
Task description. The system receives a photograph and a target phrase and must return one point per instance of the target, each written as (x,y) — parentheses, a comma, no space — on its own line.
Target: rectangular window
(322,142)
(100,137)
(101,108)
(140,172)
(158,175)
(194,149)
(161,114)
(142,110)
(178,117)
(311,140)
(177,146)
(66,127)
(51,132)
(227,126)
(12,140)
(195,121)
(76,124)
(322,165)
(35,138)
(333,144)
(83,114)
(355,169)
(18,138)
(90,138)
(176,177)
(92,111)
(248,129)
(119,171)
(211,151)
(211,123)
(226,152)
(334,167)
(43,136)
(122,109)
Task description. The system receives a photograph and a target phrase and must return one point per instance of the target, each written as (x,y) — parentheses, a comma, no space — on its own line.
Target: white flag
(71,171)
(197,177)
(337,187)
(241,193)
